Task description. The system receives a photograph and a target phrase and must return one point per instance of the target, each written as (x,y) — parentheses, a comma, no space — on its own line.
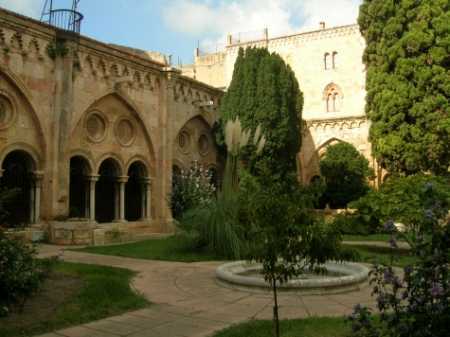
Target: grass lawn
(74,294)
(382,255)
(172,248)
(178,248)
(310,327)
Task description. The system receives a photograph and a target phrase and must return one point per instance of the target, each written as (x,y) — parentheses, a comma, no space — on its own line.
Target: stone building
(328,65)
(90,132)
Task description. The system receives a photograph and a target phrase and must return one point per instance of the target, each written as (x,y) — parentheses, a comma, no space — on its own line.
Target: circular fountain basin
(339,277)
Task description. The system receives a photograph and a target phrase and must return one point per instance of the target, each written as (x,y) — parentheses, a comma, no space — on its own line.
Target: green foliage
(216,226)
(402,199)
(190,189)
(345,171)
(308,327)
(416,303)
(264,91)
(6,196)
(286,238)
(180,248)
(408,83)
(20,273)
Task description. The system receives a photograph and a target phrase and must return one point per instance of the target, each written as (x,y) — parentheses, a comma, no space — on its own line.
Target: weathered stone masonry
(90,132)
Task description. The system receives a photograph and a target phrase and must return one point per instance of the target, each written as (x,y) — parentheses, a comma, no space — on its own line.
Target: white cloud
(26,7)
(212,20)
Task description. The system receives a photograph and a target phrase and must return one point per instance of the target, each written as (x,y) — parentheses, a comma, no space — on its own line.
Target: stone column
(92,181)
(87,192)
(122,181)
(146,199)
(37,196)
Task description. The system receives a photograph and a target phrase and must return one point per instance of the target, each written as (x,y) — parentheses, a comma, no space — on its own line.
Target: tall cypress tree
(408,83)
(264,90)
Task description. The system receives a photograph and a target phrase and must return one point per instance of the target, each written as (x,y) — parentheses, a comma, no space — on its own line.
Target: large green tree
(264,91)
(408,82)
(346,173)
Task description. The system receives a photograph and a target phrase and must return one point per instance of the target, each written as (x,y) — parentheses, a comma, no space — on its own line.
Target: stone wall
(328,65)
(72,107)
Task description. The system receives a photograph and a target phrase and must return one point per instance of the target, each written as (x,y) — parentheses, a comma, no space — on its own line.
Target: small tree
(345,171)
(287,239)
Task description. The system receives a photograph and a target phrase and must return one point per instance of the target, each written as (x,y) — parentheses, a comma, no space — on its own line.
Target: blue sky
(176,26)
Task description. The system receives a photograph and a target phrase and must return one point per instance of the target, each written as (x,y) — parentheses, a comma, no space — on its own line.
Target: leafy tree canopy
(264,90)
(408,82)
(345,172)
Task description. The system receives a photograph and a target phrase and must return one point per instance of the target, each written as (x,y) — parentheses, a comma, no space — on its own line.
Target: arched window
(333,97)
(334,59)
(326,61)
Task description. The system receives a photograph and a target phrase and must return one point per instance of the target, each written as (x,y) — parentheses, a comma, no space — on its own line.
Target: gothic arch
(23,92)
(333,97)
(195,117)
(137,114)
(115,158)
(320,151)
(86,155)
(143,161)
(24,147)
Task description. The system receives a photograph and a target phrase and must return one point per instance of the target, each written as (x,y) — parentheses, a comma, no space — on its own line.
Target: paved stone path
(188,301)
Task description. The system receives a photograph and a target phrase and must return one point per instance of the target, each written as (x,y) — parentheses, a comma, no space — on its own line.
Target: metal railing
(66,19)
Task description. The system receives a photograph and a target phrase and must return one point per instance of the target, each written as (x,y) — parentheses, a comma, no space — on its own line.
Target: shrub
(416,304)
(345,171)
(191,188)
(402,199)
(20,273)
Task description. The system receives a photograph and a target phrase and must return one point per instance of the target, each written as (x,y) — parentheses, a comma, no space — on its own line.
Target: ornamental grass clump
(217,224)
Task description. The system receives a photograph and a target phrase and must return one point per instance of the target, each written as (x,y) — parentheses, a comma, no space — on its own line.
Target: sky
(176,27)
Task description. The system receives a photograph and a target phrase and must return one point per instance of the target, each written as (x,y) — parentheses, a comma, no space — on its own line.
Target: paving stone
(81,331)
(112,327)
(190,303)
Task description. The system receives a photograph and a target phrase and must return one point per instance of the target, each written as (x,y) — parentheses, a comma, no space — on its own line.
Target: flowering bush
(20,273)
(416,304)
(191,188)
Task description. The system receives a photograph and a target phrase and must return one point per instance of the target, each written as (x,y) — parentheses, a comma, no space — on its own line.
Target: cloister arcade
(21,182)
(108,195)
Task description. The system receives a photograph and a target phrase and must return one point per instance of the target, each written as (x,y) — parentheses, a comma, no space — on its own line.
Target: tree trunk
(275,309)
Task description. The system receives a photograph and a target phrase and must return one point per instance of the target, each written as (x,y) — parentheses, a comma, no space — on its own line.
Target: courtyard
(188,301)
(287,181)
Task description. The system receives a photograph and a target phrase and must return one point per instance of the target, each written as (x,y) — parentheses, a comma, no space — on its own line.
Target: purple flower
(429,214)
(393,242)
(388,276)
(436,290)
(389,226)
